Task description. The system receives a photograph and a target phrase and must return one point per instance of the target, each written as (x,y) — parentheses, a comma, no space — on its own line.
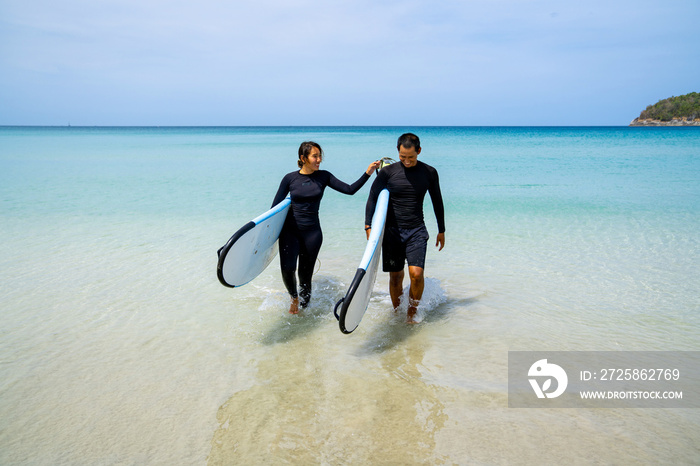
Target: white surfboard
(356,300)
(251,249)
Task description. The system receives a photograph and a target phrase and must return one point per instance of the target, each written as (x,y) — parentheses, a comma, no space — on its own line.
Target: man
(405,234)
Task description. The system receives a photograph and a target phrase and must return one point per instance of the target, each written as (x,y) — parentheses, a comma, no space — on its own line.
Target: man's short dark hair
(408,141)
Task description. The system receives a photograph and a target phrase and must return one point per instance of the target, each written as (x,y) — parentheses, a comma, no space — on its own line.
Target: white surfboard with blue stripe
(356,300)
(251,249)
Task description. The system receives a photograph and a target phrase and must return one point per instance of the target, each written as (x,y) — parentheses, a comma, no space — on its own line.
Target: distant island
(683,110)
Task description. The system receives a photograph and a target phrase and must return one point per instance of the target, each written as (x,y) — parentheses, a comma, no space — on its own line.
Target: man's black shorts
(402,245)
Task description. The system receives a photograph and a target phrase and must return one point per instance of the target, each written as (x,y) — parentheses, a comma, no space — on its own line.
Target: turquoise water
(118,344)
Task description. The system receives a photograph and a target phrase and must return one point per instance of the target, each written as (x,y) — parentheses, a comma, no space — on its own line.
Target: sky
(343,62)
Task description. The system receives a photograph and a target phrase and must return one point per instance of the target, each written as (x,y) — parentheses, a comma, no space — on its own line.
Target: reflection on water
(315,400)
(303,411)
(287,327)
(383,338)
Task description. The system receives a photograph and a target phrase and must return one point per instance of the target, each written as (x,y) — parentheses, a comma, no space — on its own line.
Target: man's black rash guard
(306,192)
(407,188)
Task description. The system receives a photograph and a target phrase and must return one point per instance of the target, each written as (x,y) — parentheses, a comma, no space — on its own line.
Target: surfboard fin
(385,161)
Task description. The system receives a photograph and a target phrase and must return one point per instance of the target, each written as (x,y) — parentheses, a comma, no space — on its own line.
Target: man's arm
(438,208)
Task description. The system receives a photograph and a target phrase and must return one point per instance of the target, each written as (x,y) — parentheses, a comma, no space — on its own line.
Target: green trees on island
(682,107)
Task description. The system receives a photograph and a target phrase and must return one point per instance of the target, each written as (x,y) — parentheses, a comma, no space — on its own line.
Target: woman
(301,236)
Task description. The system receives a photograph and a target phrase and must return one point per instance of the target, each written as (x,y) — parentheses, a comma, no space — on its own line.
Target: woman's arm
(345,188)
(282,191)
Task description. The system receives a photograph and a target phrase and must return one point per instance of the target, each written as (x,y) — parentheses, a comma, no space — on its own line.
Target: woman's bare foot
(294,307)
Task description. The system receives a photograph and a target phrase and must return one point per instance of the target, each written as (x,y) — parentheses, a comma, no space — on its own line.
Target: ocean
(118,345)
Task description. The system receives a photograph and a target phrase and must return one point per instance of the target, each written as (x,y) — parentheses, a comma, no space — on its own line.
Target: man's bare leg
(415,292)
(396,288)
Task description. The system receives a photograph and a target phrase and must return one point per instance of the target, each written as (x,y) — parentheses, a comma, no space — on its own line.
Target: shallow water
(118,345)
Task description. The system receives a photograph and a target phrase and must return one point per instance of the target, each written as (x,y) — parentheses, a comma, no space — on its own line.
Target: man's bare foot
(412,311)
(411,316)
(294,307)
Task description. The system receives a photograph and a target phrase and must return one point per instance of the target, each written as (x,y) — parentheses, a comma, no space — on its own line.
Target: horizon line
(323,126)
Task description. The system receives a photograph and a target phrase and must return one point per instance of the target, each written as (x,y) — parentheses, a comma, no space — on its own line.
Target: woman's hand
(373,166)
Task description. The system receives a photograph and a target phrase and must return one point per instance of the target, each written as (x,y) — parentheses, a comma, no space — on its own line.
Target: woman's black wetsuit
(301,235)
